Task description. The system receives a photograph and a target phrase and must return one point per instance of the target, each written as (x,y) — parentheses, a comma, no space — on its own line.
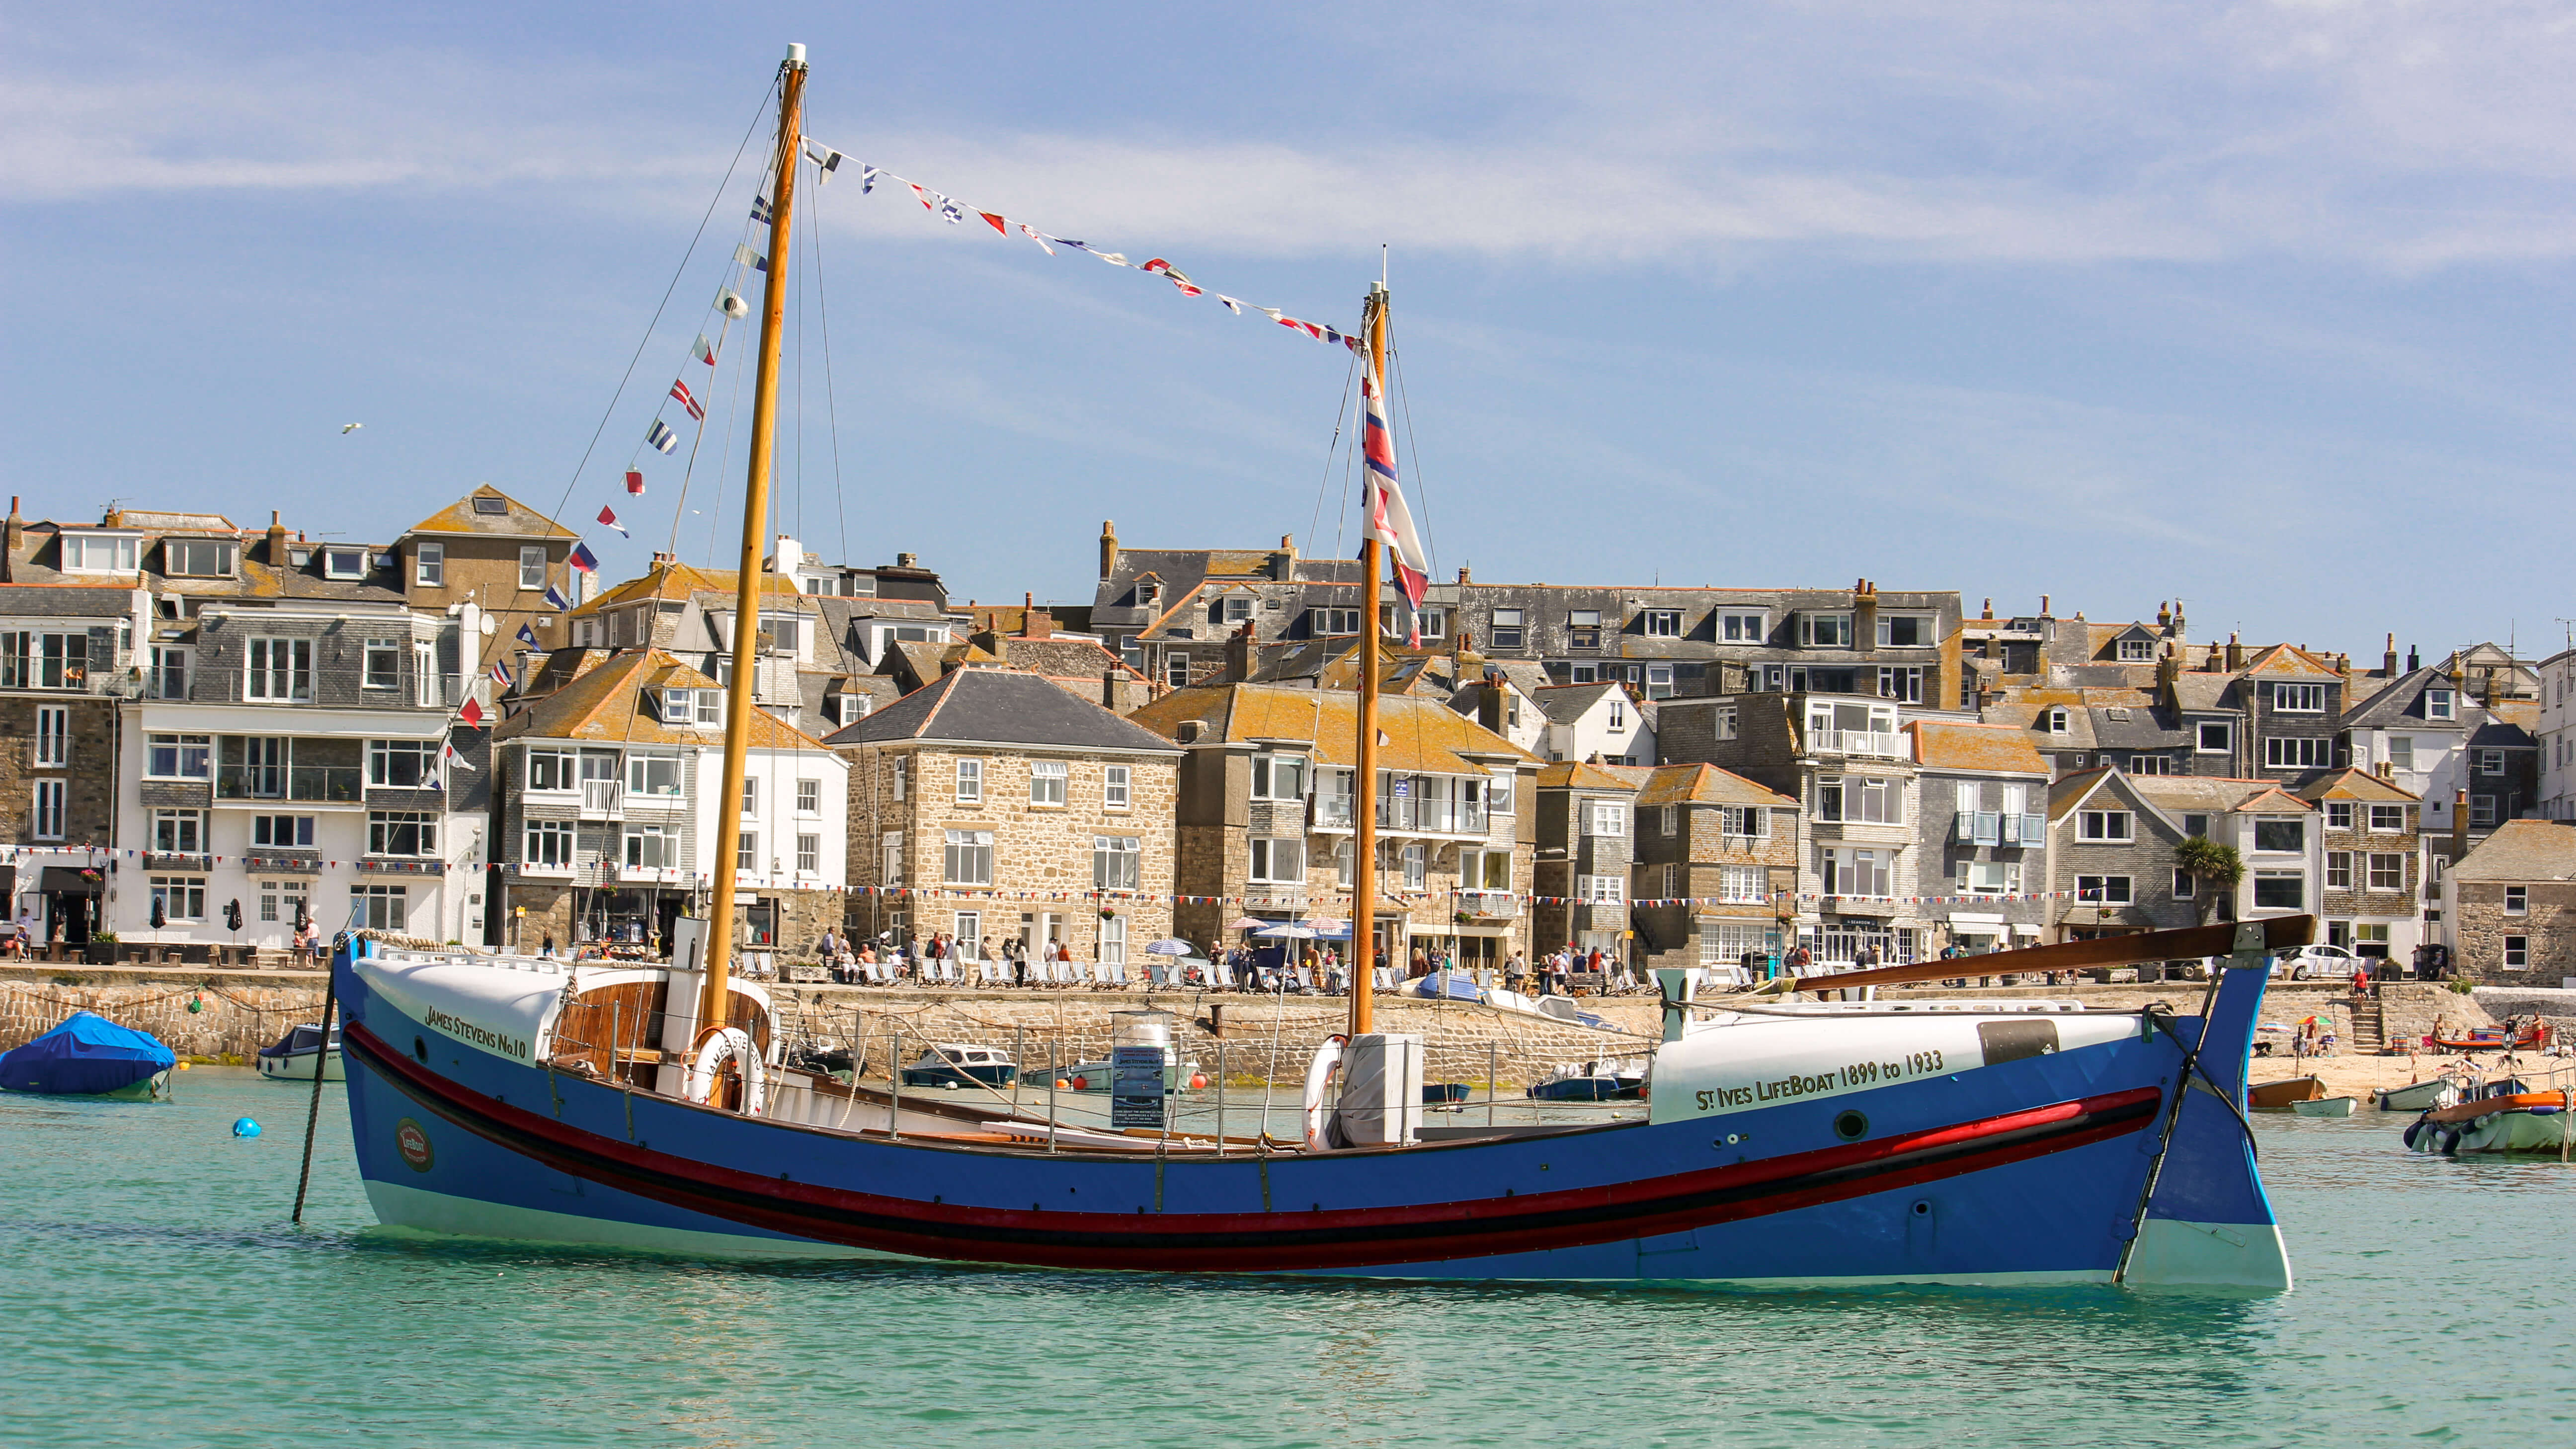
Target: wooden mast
(714,1001)
(1364,796)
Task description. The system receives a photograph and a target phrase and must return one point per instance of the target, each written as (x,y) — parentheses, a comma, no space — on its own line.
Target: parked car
(2309,963)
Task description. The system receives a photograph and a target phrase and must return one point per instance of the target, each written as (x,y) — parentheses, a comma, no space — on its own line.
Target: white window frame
(1837,636)
(1605,818)
(1117,862)
(532,568)
(890,858)
(53,737)
(1115,787)
(429,565)
(2393,826)
(1743,628)
(1508,620)
(261,670)
(551,845)
(2297,877)
(1047,783)
(380,907)
(970,781)
(967,858)
(660,842)
(182,898)
(2106,890)
(1744,885)
(809,854)
(1602,890)
(2339,870)
(2106,827)
(2517,900)
(2137,651)
(1276,860)
(2517,953)
(384,827)
(2309,698)
(1924,625)
(51,808)
(1663,623)
(2296,752)
(2387,866)
(178,750)
(2440,704)
(2338,814)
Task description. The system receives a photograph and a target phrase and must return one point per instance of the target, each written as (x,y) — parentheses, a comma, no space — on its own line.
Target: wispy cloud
(2390,136)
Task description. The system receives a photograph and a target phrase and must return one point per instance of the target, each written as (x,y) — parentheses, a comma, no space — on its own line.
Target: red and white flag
(705,351)
(635,482)
(608,516)
(1383,514)
(680,391)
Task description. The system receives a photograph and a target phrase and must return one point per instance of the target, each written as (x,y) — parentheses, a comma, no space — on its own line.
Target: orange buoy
(1198,1080)
(1061,1083)
(1082,1084)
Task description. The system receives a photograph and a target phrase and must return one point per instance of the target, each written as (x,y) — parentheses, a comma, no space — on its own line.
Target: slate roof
(605,704)
(2522,850)
(1001,707)
(2205,693)
(678,581)
(1707,785)
(2402,702)
(1566,703)
(65,601)
(1942,745)
(1422,734)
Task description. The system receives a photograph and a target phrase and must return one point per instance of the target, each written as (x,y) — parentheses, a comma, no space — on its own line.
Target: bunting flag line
(528,636)
(501,674)
(472,713)
(660,436)
(583,559)
(608,516)
(760,210)
(730,303)
(449,754)
(744,256)
(688,400)
(635,482)
(1383,514)
(950,210)
(825,159)
(704,351)
(556,601)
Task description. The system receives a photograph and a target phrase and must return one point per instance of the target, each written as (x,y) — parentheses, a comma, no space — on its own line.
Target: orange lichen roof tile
(672,581)
(607,704)
(1707,785)
(1231,563)
(520,521)
(2292,660)
(2352,783)
(1422,735)
(1576,775)
(2001,748)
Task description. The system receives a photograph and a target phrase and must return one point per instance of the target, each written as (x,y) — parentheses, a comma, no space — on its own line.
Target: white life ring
(1319,1076)
(734,1043)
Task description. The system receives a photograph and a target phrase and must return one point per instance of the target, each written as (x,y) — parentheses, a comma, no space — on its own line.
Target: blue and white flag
(744,255)
(760,210)
(583,559)
(528,637)
(660,436)
(608,516)
(556,601)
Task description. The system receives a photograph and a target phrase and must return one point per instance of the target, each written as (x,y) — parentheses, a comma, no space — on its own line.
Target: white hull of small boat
(298,1067)
(2326,1107)
(2417,1096)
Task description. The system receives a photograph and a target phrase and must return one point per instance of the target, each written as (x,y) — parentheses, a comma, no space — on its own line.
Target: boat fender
(2412,1130)
(1319,1078)
(735,1043)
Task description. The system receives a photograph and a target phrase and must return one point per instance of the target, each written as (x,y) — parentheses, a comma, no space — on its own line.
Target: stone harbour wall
(237,1012)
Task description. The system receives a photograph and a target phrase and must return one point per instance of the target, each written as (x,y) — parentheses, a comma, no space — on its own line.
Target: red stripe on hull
(1274,1241)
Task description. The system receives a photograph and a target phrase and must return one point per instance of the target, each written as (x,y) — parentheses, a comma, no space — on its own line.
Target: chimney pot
(907,560)
(1108,548)
(2043,607)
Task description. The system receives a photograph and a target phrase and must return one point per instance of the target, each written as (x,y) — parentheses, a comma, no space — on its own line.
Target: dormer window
(100,553)
(2057,721)
(692,707)
(1149,595)
(201,558)
(2438,704)
(344,563)
(2137,651)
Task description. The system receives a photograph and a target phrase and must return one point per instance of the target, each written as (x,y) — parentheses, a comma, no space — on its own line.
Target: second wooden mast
(714,1001)
(1364,794)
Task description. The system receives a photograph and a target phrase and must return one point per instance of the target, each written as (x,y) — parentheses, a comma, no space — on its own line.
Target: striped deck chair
(1220,975)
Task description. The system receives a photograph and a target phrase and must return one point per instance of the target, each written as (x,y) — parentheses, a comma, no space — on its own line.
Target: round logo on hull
(413,1143)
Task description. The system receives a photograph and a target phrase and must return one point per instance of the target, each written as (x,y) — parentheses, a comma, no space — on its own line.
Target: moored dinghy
(291,1057)
(2417,1096)
(2326,1106)
(90,1056)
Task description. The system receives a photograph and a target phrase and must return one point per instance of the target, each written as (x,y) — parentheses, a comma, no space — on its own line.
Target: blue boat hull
(2027,1172)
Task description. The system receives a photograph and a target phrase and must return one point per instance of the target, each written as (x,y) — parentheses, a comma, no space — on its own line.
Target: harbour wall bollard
(236,1015)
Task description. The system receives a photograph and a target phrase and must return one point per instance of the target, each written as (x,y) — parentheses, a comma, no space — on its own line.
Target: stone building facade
(2371,892)
(1586,858)
(1729,847)
(1266,830)
(2509,909)
(1981,813)
(992,805)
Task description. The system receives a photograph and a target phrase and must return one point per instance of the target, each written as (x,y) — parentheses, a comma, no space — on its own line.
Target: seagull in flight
(347,428)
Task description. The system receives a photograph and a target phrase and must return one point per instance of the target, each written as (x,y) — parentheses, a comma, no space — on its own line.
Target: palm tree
(2214,869)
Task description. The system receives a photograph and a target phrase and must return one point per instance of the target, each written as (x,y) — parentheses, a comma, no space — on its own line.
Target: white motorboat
(290,1058)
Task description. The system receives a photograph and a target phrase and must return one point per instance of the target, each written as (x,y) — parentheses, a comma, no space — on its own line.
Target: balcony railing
(1980,827)
(2025,830)
(1490,903)
(328,784)
(1884,743)
(602,798)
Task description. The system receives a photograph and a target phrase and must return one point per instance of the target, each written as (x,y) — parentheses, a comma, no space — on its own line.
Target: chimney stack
(1990,610)
(2459,826)
(2388,663)
(276,541)
(1238,654)
(2414,659)
(2235,653)
(17,528)
(907,560)
(2043,608)
(1108,548)
(1109,690)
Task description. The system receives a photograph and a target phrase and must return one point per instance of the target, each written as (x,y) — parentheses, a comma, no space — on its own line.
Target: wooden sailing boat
(1787,1141)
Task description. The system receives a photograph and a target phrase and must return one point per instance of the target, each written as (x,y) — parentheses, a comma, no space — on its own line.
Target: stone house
(1716,861)
(1601,723)
(66,663)
(1585,863)
(1168,612)
(992,804)
(2113,850)
(1981,820)
(604,825)
(1267,788)
(2372,889)
(1846,760)
(1503,697)
(500,554)
(2509,909)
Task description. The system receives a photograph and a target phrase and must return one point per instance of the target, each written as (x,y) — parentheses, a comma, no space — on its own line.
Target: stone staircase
(2369,1026)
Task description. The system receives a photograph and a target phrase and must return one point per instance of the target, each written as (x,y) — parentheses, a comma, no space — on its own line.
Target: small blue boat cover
(86,1056)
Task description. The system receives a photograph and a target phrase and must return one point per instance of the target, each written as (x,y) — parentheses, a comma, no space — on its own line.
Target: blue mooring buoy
(245,1127)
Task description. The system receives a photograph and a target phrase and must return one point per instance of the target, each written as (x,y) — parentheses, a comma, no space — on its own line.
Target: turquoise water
(154,1295)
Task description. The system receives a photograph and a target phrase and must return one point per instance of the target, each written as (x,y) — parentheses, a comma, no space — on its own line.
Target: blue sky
(2260,306)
